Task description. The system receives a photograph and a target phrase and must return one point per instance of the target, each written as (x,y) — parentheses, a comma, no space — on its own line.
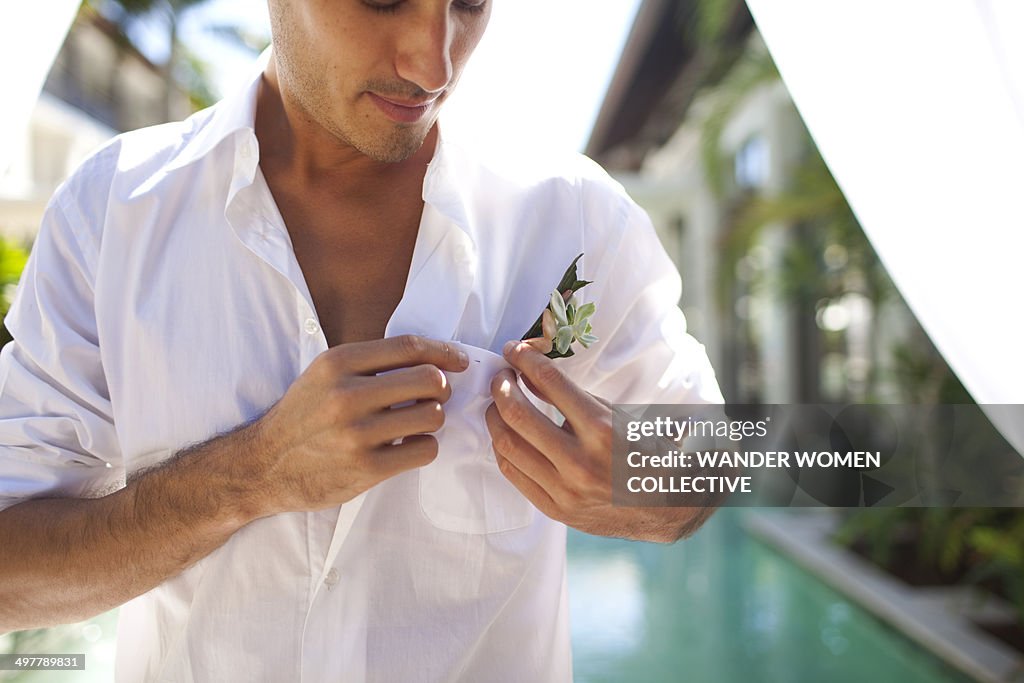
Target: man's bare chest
(356,274)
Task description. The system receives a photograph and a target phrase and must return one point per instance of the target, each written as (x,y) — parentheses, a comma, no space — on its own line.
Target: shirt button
(310,326)
(331,578)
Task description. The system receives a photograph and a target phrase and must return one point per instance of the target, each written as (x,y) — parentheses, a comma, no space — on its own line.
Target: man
(233,348)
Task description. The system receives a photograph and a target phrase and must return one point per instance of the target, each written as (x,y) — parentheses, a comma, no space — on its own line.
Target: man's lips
(401,111)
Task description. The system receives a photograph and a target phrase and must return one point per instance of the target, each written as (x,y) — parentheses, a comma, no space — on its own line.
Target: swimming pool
(722,607)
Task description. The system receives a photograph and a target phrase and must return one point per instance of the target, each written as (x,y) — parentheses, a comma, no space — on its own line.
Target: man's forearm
(65,559)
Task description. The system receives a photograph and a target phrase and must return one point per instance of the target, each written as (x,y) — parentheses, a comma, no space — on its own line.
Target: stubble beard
(390,143)
(393,144)
(385,142)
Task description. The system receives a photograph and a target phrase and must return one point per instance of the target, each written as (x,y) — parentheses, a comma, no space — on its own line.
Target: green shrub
(12,261)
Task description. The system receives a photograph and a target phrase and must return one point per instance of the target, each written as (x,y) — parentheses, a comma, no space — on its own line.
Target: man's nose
(424,50)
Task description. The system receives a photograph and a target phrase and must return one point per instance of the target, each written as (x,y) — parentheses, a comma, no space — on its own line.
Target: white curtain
(917,106)
(31,33)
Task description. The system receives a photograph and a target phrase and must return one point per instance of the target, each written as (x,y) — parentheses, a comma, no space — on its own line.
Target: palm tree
(169,13)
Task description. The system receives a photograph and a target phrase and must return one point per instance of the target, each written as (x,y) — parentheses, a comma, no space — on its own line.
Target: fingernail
(463,358)
(510,346)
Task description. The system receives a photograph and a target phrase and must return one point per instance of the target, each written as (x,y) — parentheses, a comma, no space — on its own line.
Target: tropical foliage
(12,261)
(182,67)
(977,546)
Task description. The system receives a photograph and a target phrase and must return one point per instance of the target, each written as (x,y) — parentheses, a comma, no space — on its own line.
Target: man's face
(374,73)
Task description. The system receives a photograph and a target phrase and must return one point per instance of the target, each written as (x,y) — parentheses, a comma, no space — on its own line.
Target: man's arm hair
(695,508)
(69,559)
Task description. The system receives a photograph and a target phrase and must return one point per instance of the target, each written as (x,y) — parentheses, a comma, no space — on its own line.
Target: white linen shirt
(163,304)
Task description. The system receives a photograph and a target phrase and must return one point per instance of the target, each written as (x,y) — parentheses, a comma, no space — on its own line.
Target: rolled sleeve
(645,354)
(57,437)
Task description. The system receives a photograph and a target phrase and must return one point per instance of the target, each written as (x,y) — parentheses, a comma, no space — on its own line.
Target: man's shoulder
(535,186)
(133,158)
(533,174)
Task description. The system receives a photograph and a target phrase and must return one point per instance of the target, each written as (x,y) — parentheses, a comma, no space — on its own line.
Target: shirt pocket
(463,490)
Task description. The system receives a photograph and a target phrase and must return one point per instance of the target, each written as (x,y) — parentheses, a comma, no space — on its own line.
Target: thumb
(534,390)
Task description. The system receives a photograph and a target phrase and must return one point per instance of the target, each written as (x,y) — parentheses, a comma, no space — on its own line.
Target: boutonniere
(565,319)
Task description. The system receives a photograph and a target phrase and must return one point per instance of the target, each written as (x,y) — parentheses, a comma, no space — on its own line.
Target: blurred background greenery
(780,282)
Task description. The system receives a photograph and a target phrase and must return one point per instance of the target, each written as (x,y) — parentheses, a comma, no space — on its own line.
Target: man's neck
(294,144)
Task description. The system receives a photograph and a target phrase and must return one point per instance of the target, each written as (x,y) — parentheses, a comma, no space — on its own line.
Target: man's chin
(394,149)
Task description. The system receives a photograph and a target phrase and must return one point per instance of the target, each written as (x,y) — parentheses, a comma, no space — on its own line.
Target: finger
(542,372)
(422,382)
(534,390)
(394,423)
(523,417)
(542,344)
(525,457)
(414,451)
(403,351)
(533,491)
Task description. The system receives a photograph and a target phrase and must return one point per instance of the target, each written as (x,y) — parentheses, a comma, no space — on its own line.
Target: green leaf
(563,339)
(557,306)
(585,311)
(570,281)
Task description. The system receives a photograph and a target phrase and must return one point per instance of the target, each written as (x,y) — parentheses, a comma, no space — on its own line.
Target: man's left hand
(566,471)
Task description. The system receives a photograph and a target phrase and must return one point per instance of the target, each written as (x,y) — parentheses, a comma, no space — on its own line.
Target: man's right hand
(328,439)
(331,435)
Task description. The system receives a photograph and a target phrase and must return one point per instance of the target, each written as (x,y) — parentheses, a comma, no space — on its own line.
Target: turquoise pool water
(722,607)
(718,608)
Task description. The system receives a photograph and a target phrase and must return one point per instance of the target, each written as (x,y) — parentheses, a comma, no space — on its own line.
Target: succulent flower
(572,322)
(564,320)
